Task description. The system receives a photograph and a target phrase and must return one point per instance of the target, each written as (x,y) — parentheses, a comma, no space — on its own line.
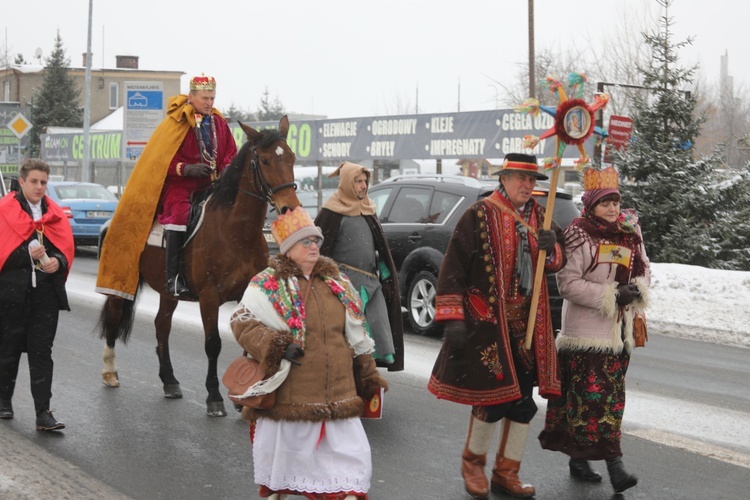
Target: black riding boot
(619,478)
(175,283)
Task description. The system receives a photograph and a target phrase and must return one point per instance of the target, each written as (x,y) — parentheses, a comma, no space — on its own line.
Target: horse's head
(274,165)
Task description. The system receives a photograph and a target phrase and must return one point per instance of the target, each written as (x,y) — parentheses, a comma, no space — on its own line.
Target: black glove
(627,294)
(200,170)
(546,240)
(455,334)
(292,352)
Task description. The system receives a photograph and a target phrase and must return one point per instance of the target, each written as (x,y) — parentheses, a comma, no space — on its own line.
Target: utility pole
(85,176)
(532,69)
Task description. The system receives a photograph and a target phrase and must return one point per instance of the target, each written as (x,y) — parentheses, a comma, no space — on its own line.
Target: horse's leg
(109,323)
(163,324)
(210,316)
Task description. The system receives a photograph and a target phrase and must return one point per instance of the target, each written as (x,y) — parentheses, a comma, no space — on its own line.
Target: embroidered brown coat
(330,383)
(476,285)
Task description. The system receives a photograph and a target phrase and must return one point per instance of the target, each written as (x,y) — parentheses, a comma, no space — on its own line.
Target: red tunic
(175,197)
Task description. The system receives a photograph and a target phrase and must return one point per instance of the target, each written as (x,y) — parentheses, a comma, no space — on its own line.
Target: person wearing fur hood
(604,284)
(303,321)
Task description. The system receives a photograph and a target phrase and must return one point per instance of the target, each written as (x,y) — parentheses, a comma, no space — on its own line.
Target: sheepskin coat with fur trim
(331,382)
(591,318)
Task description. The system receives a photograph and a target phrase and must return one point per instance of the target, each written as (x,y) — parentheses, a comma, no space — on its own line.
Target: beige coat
(331,382)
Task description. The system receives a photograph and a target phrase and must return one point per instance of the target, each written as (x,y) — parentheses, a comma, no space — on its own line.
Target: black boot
(6,408)
(581,469)
(45,421)
(175,283)
(619,478)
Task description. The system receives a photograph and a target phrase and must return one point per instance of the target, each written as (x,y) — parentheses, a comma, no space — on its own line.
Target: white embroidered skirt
(287,455)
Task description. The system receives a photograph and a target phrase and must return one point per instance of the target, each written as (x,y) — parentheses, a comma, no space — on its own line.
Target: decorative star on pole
(574,123)
(574,119)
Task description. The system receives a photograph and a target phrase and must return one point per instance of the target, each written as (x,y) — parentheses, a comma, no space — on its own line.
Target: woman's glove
(547,239)
(627,294)
(292,352)
(200,170)
(455,334)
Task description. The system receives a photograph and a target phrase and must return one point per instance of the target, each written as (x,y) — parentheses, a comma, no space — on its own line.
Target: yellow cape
(131,223)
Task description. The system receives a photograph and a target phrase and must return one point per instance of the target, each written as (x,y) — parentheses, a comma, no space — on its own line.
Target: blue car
(87,206)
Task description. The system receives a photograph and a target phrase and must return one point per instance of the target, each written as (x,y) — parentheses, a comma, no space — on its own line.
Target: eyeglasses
(306,242)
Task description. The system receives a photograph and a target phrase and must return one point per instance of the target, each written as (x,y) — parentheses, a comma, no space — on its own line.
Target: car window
(442,206)
(379,197)
(410,206)
(84,193)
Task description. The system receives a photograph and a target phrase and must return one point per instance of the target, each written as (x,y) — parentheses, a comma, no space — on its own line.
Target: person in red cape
(36,252)
(186,152)
(483,299)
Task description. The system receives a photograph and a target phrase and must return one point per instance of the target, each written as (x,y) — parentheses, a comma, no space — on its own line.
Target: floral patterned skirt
(585,423)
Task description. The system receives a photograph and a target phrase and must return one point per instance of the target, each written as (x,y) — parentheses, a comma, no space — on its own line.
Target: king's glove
(627,294)
(455,334)
(292,352)
(547,239)
(200,170)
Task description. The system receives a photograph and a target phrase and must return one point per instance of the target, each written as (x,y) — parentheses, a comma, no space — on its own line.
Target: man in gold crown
(186,152)
(604,284)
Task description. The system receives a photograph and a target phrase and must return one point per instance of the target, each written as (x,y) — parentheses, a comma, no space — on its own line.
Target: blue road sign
(145,99)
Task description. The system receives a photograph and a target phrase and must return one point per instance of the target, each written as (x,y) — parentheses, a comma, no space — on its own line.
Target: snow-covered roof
(113,121)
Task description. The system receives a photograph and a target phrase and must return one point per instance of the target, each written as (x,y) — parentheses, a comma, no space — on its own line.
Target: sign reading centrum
(144,110)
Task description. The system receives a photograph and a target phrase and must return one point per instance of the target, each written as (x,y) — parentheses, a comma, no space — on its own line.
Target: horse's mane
(225,190)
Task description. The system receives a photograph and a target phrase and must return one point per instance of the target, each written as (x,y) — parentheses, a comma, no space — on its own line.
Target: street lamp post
(87,106)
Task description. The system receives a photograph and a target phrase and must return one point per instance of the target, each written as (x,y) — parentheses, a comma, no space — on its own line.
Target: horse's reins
(259,182)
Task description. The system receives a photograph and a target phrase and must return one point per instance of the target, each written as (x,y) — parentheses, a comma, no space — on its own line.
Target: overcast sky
(350,58)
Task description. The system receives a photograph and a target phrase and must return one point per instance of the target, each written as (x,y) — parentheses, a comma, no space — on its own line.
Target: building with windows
(19,82)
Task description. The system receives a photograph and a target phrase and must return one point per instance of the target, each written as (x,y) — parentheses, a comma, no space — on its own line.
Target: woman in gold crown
(604,283)
(302,311)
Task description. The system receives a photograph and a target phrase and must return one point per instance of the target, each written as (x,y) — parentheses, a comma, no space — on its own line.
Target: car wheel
(420,304)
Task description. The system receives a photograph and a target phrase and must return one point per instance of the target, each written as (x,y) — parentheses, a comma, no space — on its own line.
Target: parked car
(418,214)
(87,206)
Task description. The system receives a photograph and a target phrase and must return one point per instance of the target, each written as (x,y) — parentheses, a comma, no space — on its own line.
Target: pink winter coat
(591,318)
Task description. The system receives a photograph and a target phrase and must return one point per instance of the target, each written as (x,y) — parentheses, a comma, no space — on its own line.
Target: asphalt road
(132,442)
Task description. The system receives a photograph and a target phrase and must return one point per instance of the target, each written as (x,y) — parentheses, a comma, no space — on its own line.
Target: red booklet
(374,406)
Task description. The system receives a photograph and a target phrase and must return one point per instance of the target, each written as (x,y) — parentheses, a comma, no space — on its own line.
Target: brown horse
(219,260)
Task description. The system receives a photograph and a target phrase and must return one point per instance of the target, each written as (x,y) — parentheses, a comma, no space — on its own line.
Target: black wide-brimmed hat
(519,162)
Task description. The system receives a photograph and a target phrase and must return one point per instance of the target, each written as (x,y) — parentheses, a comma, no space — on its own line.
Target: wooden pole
(539,273)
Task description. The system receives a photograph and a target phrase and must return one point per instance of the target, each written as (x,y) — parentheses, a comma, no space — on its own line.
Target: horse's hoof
(215,409)
(110,379)
(172,391)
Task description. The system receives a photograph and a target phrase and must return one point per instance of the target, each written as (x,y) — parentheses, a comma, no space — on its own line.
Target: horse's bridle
(259,182)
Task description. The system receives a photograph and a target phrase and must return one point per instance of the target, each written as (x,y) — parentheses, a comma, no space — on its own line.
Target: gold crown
(600,179)
(203,82)
(289,223)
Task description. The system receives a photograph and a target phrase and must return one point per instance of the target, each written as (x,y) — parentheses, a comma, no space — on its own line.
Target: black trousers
(32,328)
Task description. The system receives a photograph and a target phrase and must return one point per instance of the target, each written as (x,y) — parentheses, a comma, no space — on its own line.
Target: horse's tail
(117,318)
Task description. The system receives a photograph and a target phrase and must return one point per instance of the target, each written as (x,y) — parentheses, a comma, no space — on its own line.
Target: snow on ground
(701,304)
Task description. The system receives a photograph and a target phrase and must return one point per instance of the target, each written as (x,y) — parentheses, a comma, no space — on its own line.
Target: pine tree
(56,102)
(269,111)
(671,190)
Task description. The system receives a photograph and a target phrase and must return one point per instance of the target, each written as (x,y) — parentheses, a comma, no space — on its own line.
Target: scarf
(344,201)
(622,232)
(524,269)
(277,303)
